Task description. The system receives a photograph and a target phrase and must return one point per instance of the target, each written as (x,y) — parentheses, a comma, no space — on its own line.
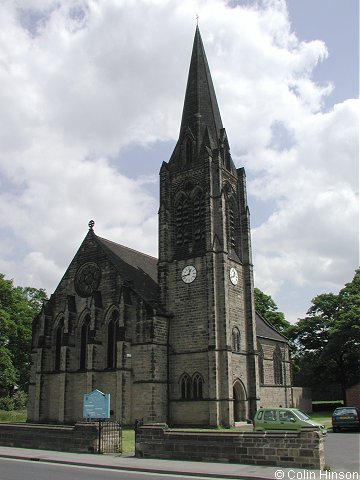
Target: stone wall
(297,450)
(81,438)
(353,396)
(302,398)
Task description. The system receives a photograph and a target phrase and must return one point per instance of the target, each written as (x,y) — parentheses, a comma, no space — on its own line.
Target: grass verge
(322,417)
(128,440)
(14,416)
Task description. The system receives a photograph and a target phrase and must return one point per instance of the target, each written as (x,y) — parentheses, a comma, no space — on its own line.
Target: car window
(286,416)
(343,411)
(270,415)
(301,415)
(259,415)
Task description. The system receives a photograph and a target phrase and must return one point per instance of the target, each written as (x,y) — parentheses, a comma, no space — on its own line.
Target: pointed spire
(200,105)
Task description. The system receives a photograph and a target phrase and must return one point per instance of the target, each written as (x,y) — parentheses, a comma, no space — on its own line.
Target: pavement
(129,462)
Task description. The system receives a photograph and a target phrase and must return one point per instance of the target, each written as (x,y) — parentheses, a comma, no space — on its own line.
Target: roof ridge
(128,248)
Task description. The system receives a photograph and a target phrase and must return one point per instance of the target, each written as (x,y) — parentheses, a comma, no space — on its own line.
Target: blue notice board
(96,405)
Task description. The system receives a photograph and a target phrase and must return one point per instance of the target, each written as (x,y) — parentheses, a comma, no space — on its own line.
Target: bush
(20,400)
(7,404)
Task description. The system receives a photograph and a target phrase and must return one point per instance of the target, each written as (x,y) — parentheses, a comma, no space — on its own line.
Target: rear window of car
(344,411)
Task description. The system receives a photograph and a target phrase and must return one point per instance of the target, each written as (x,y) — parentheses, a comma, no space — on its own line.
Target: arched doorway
(239,396)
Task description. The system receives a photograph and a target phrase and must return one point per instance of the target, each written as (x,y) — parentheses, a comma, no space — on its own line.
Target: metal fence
(110,436)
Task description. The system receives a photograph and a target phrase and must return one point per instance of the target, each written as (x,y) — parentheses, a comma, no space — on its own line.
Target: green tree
(327,340)
(18,307)
(266,306)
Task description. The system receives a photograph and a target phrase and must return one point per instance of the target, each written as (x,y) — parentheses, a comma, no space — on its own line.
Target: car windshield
(301,415)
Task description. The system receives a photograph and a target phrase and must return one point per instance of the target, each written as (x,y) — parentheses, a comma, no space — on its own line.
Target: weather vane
(197,20)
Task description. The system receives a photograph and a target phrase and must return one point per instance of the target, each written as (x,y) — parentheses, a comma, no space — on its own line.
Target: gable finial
(197,20)
(91,224)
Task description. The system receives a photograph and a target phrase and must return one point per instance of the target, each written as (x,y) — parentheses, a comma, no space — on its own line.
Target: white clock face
(188,274)
(234,277)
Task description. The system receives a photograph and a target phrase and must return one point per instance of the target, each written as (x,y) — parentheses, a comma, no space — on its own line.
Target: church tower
(205,270)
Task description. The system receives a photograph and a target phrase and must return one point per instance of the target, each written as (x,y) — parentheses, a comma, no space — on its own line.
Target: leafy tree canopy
(327,340)
(18,307)
(266,306)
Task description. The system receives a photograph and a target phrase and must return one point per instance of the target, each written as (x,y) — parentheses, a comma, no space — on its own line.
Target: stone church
(176,338)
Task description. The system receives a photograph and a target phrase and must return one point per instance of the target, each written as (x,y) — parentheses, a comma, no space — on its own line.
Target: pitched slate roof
(264,329)
(137,269)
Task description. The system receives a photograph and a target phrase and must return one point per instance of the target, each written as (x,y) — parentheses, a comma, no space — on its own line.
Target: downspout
(286,396)
(168,373)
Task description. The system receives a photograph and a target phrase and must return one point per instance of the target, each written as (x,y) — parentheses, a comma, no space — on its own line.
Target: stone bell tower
(205,267)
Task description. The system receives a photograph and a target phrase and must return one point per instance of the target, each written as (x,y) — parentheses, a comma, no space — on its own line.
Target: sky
(91,96)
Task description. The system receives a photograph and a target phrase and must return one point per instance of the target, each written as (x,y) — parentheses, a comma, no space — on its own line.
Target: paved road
(19,469)
(342,451)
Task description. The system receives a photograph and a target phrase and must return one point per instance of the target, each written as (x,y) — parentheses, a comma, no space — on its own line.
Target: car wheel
(334,429)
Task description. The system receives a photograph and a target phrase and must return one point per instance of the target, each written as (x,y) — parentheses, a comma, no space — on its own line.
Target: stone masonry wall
(353,396)
(298,450)
(80,438)
(302,398)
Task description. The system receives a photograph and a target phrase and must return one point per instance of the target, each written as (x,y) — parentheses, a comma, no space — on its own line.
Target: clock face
(234,277)
(188,274)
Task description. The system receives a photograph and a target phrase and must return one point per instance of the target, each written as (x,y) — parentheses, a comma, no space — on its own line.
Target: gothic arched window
(278,367)
(261,364)
(182,221)
(112,332)
(84,338)
(198,217)
(235,340)
(197,387)
(230,220)
(58,342)
(185,386)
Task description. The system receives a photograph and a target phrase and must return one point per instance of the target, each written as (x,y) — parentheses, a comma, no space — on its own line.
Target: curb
(135,469)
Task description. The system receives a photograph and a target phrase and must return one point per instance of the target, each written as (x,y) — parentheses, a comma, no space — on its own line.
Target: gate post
(99,436)
(138,423)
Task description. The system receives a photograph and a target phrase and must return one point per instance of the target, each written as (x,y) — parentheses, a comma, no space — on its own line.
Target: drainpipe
(286,397)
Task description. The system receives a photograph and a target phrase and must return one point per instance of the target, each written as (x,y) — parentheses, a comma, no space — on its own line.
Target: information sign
(96,405)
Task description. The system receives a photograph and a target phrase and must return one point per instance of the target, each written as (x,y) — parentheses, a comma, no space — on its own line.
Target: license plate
(345,418)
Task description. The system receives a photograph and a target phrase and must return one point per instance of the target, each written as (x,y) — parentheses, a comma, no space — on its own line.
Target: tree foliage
(327,340)
(266,306)
(18,307)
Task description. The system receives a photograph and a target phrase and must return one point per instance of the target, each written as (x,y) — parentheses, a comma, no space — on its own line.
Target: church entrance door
(239,397)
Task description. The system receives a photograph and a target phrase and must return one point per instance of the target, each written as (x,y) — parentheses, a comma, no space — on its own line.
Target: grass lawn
(128,440)
(15,416)
(322,417)
(317,402)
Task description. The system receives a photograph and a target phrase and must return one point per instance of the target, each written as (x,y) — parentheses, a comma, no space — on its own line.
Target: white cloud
(314,228)
(82,80)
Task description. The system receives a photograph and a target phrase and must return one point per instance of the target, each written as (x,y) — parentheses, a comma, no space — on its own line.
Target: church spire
(201,109)
(201,131)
